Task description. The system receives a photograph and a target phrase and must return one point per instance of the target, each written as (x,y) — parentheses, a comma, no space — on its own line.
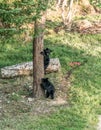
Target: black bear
(48,87)
(46,52)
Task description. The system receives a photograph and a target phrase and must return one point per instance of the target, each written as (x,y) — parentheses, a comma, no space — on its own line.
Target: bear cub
(48,87)
(46,52)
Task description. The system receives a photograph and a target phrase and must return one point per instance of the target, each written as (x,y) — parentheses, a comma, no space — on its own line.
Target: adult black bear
(46,52)
(48,87)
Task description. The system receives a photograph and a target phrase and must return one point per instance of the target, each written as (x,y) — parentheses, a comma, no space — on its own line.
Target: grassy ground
(84,93)
(14,53)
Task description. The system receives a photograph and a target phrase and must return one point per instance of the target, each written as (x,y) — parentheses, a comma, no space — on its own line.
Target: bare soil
(15,96)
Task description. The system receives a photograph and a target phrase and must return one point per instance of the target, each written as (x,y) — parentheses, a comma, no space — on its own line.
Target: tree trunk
(38,65)
(67,11)
(70,12)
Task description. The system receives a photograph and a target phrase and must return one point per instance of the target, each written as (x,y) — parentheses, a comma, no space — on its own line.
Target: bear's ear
(42,79)
(41,52)
(46,79)
(47,49)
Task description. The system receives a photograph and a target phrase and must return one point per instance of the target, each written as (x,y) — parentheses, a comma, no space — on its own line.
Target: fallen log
(27,69)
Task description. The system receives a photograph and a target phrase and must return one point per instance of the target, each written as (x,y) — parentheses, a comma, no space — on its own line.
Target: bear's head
(44,80)
(47,51)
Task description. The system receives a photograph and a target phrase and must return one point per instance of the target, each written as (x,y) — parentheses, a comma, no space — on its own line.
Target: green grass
(62,120)
(13,52)
(85,90)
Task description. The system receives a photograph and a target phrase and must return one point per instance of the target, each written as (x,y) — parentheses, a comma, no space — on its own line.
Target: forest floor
(16,96)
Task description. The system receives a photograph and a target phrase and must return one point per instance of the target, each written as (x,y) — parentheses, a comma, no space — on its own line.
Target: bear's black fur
(48,87)
(46,52)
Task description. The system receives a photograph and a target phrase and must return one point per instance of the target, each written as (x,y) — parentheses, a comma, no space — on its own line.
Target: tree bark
(38,65)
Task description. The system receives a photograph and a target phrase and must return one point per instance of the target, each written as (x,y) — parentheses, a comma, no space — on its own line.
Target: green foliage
(15,14)
(96,3)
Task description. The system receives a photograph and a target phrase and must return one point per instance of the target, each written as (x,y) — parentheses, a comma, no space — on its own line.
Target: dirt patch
(86,27)
(15,96)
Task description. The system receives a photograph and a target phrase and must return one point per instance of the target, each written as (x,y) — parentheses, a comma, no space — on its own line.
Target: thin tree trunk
(70,13)
(64,6)
(38,65)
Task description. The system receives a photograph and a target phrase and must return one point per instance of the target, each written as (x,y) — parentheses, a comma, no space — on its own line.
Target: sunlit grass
(90,44)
